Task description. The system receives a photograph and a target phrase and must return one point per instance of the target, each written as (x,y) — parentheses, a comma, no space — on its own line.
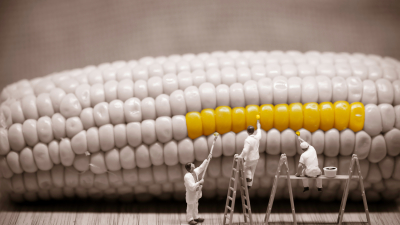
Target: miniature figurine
(308,164)
(193,190)
(250,152)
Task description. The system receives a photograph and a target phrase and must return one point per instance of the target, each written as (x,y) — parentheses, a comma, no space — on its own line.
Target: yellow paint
(295,116)
(342,114)
(281,121)
(327,116)
(251,115)
(357,114)
(267,116)
(238,119)
(194,125)
(208,120)
(223,119)
(311,116)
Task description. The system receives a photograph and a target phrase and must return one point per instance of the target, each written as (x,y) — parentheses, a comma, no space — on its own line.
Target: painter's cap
(304,145)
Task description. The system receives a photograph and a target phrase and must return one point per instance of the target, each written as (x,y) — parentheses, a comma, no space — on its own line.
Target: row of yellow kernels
(311,116)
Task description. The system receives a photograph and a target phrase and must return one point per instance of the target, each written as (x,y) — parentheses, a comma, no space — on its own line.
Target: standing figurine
(193,190)
(308,164)
(250,152)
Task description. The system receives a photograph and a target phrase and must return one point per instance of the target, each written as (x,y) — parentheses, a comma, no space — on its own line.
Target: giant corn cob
(125,129)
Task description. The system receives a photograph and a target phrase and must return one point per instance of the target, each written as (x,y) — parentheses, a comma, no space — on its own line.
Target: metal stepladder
(237,177)
(354,160)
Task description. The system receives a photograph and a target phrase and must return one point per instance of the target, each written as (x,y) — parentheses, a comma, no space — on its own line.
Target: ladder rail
(245,195)
(360,178)
(235,189)
(346,192)
(271,199)
(290,193)
(231,194)
(241,191)
(238,173)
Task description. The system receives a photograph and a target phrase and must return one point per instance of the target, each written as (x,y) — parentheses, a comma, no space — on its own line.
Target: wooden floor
(170,212)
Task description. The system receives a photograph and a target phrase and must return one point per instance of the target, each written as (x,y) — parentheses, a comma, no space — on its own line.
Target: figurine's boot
(305,185)
(249,183)
(319,184)
(192,222)
(199,220)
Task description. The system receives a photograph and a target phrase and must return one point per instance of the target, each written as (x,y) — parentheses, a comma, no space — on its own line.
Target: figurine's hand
(201,181)
(297,175)
(236,156)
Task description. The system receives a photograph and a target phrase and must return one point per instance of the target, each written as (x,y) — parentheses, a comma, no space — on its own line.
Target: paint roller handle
(216,134)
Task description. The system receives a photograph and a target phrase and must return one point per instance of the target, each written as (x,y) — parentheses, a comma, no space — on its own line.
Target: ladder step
(230,198)
(232,188)
(233,179)
(234,169)
(229,208)
(246,206)
(227,217)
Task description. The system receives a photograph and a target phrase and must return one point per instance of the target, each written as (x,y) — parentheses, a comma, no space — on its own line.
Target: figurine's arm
(189,182)
(201,168)
(300,168)
(245,149)
(301,140)
(258,135)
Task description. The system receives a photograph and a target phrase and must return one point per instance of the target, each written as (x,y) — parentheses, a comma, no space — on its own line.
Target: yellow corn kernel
(267,116)
(342,114)
(327,116)
(357,114)
(238,119)
(223,119)
(208,120)
(251,112)
(295,116)
(281,120)
(194,125)
(311,116)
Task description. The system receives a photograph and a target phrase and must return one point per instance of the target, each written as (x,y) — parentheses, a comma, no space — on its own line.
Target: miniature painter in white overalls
(308,165)
(250,153)
(193,192)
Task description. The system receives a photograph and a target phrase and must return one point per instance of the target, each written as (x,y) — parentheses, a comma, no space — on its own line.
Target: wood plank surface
(323,177)
(78,212)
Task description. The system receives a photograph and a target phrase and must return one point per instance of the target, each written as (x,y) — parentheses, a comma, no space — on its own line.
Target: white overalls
(192,196)
(310,161)
(251,155)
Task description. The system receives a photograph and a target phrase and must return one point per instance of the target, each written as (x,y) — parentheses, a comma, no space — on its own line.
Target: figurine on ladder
(243,168)
(250,153)
(308,166)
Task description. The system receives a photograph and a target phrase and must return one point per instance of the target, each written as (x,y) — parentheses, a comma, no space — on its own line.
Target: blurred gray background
(40,37)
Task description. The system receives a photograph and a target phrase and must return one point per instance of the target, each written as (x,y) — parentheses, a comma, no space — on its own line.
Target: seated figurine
(308,165)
